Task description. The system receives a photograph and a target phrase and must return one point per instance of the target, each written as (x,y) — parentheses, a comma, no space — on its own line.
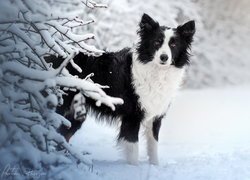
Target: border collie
(146,77)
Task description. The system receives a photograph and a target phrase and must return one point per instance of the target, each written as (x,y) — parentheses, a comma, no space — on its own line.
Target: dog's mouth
(80,117)
(163,63)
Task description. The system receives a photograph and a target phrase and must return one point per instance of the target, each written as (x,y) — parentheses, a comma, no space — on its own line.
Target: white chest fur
(155,85)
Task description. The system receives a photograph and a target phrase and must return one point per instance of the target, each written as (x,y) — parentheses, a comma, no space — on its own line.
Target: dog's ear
(147,23)
(187,30)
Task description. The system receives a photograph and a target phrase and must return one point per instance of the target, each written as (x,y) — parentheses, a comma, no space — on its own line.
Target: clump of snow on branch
(30,89)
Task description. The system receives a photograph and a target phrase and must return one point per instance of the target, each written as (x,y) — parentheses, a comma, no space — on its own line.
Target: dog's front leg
(152,134)
(130,151)
(128,139)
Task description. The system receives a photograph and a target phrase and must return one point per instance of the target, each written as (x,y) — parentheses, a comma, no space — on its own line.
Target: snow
(204,136)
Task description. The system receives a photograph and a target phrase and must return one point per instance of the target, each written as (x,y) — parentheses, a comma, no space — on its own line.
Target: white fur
(165,49)
(130,151)
(155,85)
(152,144)
(78,105)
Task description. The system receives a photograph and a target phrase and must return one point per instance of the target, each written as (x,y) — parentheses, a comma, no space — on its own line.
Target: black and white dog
(146,77)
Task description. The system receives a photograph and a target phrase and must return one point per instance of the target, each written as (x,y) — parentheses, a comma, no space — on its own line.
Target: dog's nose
(164,57)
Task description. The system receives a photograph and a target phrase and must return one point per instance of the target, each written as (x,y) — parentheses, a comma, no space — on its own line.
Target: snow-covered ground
(206,135)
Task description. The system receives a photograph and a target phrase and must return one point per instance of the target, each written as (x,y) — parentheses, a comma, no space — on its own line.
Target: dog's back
(114,70)
(111,69)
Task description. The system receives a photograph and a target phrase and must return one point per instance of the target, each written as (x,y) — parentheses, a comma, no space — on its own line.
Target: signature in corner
(10,171)
(15,171)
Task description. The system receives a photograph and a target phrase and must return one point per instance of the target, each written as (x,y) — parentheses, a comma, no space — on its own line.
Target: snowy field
(206,135)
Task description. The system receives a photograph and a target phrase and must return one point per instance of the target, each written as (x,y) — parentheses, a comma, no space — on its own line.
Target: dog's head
(162,45)
(77,107)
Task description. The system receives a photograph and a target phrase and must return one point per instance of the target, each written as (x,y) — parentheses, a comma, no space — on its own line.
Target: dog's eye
(157,43)
(172,44)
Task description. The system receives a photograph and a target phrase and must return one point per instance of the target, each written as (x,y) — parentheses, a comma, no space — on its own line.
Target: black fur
(182,40)
(114,69)
(151,38)
(156,127)
(75,125)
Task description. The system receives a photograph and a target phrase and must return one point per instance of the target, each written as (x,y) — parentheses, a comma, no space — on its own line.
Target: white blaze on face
(165,49)
(78,106)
